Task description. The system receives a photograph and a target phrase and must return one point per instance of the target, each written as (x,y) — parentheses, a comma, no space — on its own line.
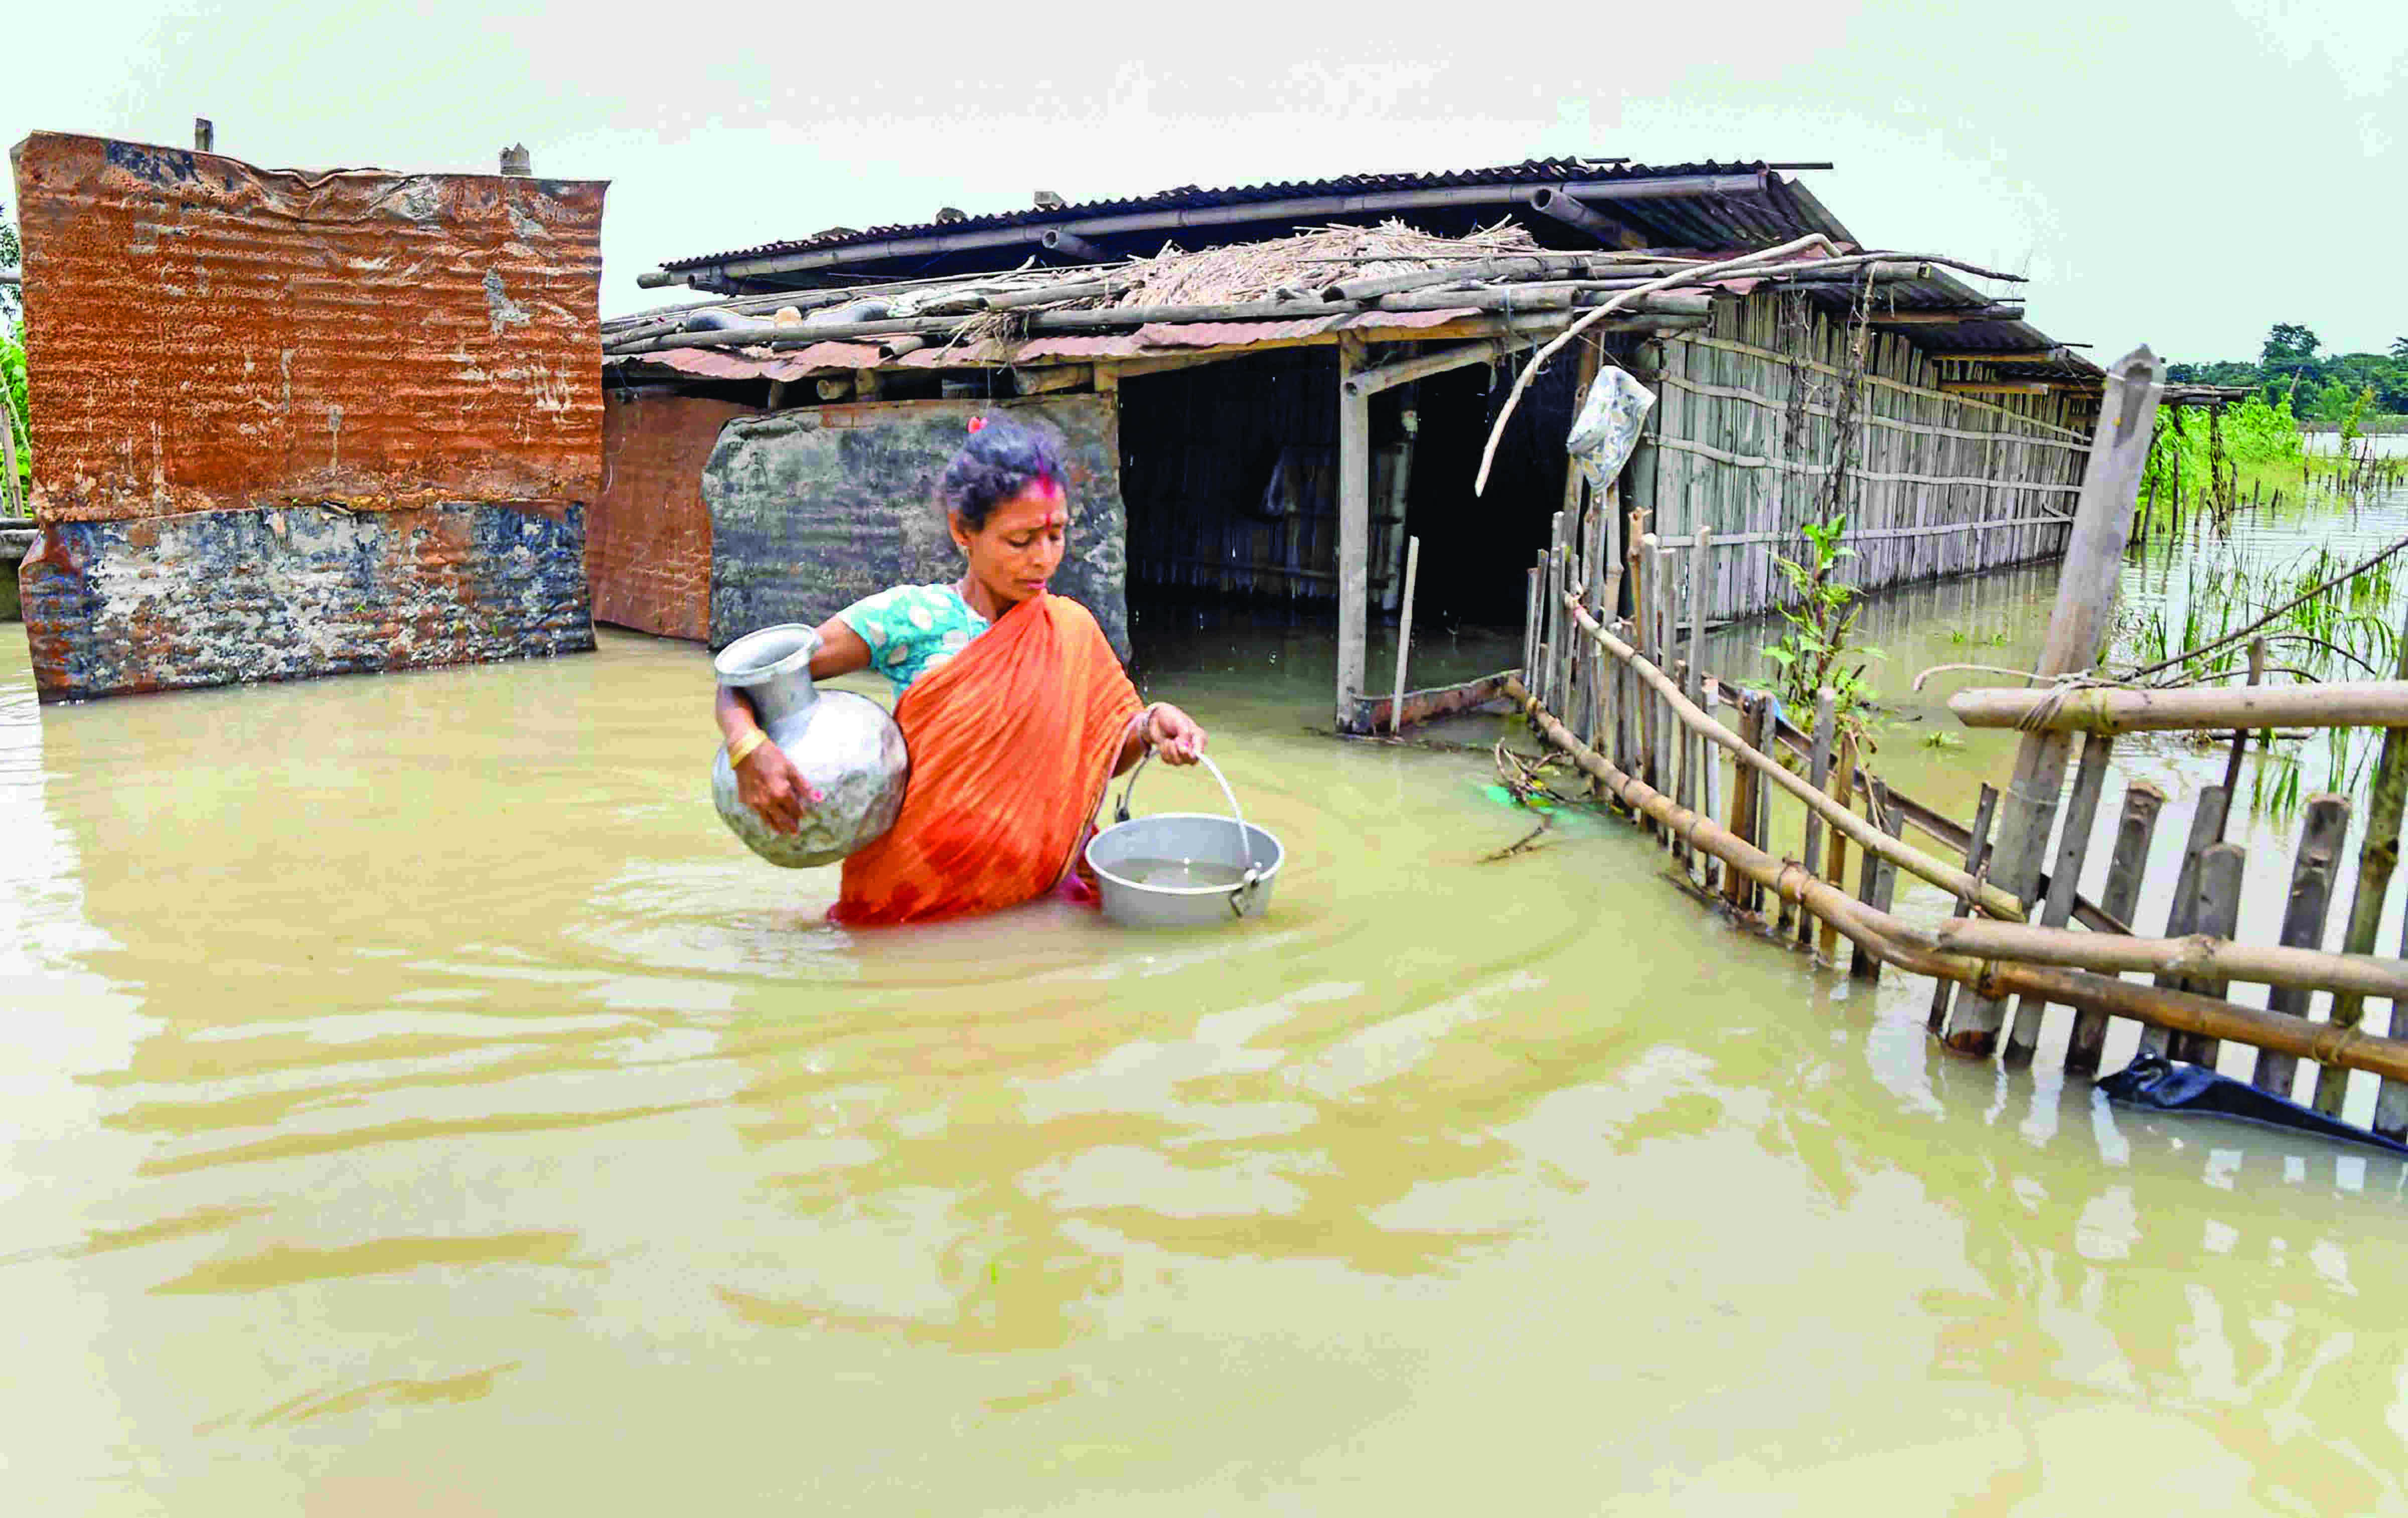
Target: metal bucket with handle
(1183,869)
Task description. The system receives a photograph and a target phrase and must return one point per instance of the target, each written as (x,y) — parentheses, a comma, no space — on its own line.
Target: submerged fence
(1631,705)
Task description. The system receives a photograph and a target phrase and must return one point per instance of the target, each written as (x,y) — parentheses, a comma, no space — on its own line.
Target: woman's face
(1021,546)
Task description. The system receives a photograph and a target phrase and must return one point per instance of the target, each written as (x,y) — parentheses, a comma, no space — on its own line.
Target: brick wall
(812,509)
(648,537)
(363,372)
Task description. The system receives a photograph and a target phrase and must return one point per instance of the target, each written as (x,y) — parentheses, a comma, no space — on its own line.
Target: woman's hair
(1002,459)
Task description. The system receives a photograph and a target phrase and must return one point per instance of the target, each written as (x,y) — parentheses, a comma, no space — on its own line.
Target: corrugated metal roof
(1775,211)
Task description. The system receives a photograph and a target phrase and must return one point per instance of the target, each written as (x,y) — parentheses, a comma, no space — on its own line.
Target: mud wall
(812,509)
(300,424)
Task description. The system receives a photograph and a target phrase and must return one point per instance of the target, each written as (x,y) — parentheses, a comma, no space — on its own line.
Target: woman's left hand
(1173,735)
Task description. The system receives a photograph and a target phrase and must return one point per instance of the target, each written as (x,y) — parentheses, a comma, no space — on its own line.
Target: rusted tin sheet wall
(206,338)
(648,537)
(811,510)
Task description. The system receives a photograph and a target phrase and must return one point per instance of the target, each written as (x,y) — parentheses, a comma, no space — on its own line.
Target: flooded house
(1268,390)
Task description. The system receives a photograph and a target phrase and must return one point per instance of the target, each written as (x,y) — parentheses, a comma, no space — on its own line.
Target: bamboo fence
(1624,699)
(1757,411)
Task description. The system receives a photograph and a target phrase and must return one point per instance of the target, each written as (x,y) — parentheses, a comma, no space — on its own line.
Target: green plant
(1818,651)
(1940,737)
(14,412)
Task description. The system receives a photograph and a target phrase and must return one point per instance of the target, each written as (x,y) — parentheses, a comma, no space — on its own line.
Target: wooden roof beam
(1946,315)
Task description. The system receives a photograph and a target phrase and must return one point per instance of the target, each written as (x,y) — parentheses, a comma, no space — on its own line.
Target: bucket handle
(1243,893)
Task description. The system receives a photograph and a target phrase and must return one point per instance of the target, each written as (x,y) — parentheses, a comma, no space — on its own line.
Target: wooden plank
(1877,887)
(2376,859)
(2077,630)
(2135,831)
(2206,827)
(1977,854)
(2217,913)
(1818,774)
(2064,875)
(2325,823)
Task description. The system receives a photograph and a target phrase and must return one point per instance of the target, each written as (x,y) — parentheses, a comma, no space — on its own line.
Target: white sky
(2179,172)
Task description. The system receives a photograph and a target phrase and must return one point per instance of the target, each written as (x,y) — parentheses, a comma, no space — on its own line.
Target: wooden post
(1667,570)
(2218,913)
(1843,790)
(1530,633)
(1977,853)
(2064,875)
(2391,1099)
(2241,734)
(2376,859)
(1710,787)
(1404,635)
(1818,770)
(1878,885)
(2134,832)
(2086,606)
(1353,530)
(1695,753)
(2206,827)
(1737,888)
(2303,927)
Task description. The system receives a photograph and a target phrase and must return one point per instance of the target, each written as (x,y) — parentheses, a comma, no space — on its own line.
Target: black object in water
(2167,1085)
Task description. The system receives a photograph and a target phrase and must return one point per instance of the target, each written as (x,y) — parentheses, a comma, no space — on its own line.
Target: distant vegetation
(13,414)
(2322,388)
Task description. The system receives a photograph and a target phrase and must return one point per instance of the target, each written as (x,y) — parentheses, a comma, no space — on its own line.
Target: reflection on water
(418,1103)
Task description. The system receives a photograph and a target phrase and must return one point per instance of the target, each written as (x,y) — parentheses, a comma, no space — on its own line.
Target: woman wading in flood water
(1015,708)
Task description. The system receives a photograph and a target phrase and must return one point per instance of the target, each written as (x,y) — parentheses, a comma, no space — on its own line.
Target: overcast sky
(2179,172)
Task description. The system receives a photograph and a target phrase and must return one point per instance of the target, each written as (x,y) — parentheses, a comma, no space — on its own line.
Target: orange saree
(1011,742)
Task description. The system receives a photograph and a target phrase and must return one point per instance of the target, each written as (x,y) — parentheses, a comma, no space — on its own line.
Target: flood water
(418,1103)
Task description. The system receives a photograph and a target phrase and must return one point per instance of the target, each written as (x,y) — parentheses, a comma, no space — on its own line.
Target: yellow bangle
(742,747)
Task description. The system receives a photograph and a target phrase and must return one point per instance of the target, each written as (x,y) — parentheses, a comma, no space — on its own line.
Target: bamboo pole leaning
(1994,975)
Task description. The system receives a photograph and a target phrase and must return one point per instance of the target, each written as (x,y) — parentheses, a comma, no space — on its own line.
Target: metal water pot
(845,744)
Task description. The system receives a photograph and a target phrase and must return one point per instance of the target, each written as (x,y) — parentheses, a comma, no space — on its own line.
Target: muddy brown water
(416,1103)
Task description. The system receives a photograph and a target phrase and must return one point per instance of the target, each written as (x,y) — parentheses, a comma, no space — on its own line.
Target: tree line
(2321,387)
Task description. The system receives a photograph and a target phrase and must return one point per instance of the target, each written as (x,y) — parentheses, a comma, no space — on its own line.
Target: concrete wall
(648,537)
(213,598)
(812,509)
(388,384)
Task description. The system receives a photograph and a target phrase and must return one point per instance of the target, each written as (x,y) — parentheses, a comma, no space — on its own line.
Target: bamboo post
(1559,627)
(2134,832)
(2303,927)
(1405,635)
(1878,885)
(2206,827)
(1353,530)
(2085,604)
(1977,854)
(2218,913)
(2065,875)
(1818,772)
(2376,859)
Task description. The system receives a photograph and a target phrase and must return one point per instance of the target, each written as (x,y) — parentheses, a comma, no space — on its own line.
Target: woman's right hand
(768,783)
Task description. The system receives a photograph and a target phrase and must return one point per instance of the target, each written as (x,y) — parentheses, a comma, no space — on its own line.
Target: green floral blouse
(913,629)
